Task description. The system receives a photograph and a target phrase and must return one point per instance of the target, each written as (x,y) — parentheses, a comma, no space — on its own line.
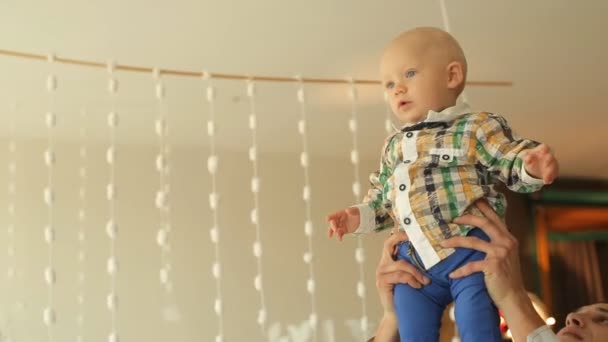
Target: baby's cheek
(393,107)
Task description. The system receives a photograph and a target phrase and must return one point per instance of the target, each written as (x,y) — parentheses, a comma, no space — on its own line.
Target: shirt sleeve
(501,152)
(375,211)
(542,334)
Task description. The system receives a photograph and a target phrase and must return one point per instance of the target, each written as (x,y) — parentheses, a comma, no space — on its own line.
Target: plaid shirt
(431,173)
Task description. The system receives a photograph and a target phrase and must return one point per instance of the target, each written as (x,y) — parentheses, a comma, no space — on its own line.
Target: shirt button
(445,157)
(402,187)
(407,221)
(409,134)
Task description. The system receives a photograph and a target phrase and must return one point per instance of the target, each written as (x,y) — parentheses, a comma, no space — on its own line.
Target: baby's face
(414,84)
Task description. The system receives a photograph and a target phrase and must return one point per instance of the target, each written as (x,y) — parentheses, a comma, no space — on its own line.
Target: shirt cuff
(527,179)
(367,219)
(542,334)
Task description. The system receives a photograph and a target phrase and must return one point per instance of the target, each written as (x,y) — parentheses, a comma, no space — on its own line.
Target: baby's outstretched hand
(541,163)
(343,222)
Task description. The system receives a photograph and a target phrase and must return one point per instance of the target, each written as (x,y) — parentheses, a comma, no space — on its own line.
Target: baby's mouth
(403,104)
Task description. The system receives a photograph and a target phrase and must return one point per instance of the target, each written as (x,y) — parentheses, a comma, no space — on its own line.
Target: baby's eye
(389,85)
(410,73)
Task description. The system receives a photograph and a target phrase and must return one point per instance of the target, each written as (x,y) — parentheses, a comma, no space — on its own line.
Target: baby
(431,171)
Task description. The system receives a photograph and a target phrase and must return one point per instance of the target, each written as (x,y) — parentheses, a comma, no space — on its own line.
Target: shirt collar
(445,115)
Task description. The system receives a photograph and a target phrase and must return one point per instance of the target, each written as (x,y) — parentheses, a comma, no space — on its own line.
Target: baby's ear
(455,76)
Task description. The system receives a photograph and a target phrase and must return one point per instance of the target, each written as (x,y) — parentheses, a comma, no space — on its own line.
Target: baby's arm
(503,154)
(374,213)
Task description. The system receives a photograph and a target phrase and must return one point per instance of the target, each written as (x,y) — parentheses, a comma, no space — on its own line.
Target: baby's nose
(400,88)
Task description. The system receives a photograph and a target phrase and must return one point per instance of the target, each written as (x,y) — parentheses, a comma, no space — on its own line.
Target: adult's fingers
(391,242)
(394,239)
(468,269)
(502,236)
(399,278)
(399,271)
(483,223)
(402,266)
(490,214)
(470,242)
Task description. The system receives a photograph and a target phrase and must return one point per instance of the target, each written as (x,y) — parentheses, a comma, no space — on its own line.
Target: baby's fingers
(340,233)
(530,158)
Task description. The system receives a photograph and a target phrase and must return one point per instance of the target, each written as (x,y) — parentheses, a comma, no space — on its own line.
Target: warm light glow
(550,321)
(508,334)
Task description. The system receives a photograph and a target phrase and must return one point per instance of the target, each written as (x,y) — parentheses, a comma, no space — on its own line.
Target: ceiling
(554,52)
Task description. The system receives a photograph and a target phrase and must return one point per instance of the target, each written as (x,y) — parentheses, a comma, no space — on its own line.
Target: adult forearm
(520,315)
(388,330)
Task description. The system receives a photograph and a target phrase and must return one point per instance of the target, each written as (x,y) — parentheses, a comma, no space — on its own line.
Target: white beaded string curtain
(255,212)
(111,194)
(49,314)
(356,189)
(212,167)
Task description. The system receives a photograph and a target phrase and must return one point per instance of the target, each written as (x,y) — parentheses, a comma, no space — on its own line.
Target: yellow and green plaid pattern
(457,163)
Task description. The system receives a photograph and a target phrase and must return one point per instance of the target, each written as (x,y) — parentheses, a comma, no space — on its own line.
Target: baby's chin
(410,118)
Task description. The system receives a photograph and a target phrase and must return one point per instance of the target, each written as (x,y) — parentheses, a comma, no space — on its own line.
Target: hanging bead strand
(82,214)
(49,314)
(255,212)
(212,167)
(162,195)
(111,195)
(353,124)
(306,196)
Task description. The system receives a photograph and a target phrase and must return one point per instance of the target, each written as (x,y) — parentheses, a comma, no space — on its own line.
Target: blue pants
(419,311)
